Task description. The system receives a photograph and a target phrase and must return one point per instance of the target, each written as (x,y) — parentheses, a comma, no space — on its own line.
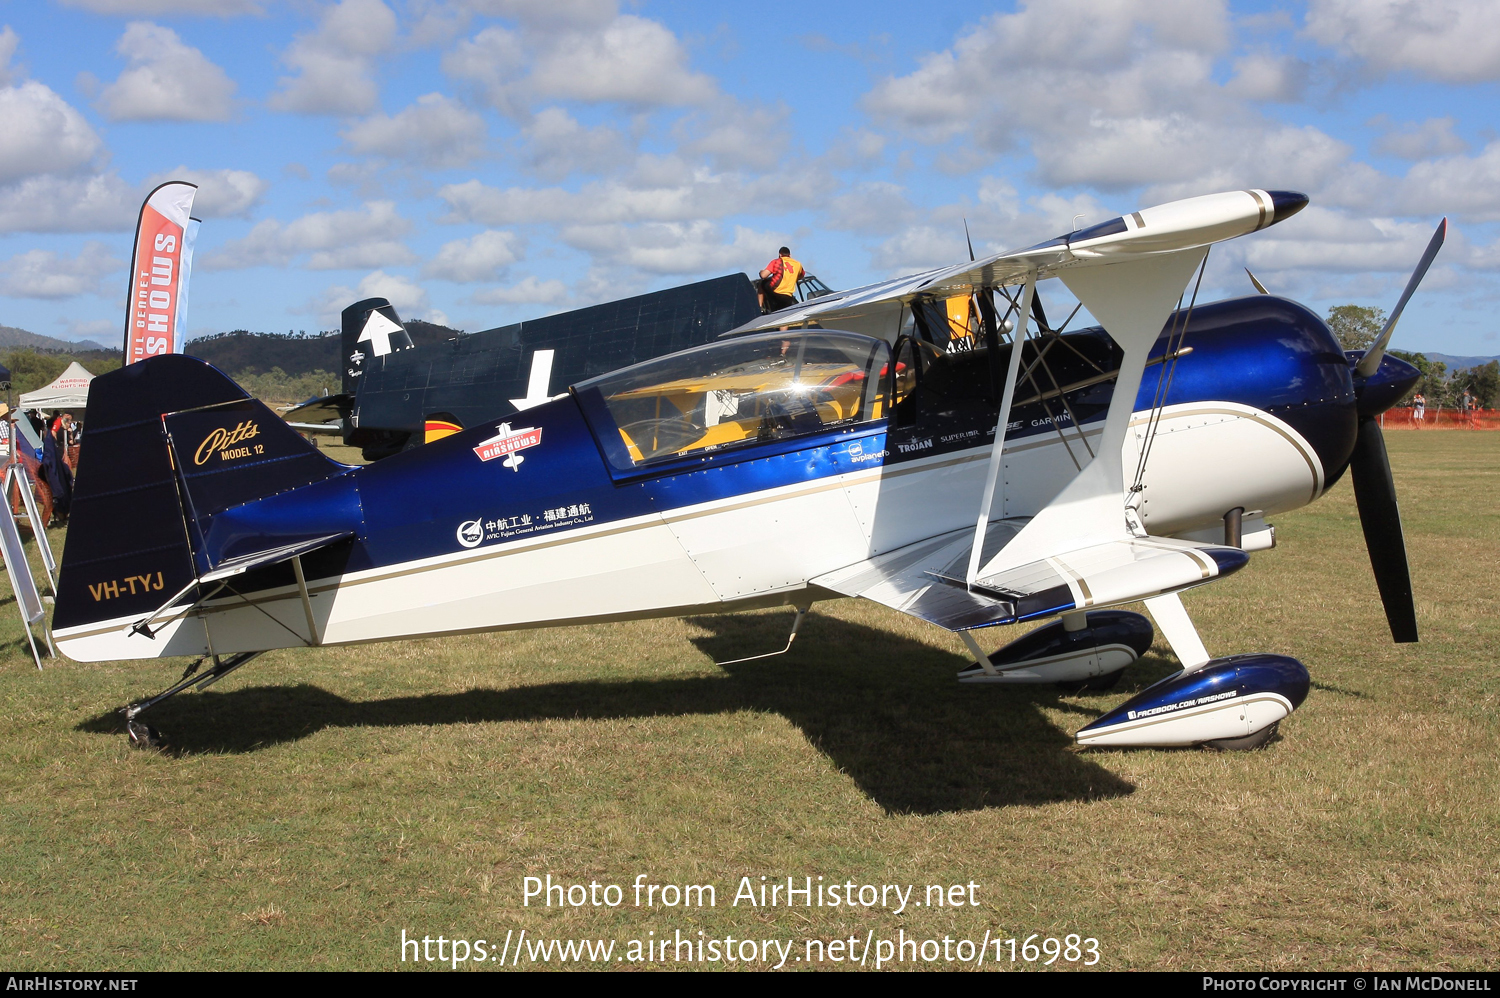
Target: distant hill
(1457,363)
(12,337)
(241,350)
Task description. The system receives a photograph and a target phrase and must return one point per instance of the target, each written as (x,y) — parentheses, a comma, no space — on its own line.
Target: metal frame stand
(17,473)
(23,585)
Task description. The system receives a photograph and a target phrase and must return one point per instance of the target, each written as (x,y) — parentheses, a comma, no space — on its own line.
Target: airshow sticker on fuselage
(507,442)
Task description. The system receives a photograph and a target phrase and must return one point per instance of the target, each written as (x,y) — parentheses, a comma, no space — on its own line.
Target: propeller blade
(1371,360)
(1258,286)
(1375,494)
(968,240)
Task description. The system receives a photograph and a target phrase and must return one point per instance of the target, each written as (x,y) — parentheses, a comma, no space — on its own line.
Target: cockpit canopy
(741,391)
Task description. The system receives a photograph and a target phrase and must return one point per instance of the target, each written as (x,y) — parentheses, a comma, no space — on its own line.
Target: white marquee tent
(69,391)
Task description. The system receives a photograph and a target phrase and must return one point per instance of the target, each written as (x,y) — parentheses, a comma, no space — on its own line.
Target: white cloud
(402,292)
(158,8)
(335,63)
(46,274)
(491,62)
(921,247)
(103,203)
(42,133)
(631,61)
(436,131)
(408,297)
(1456,41)
(733,134)
(872,206)
(1263,76)
(1138,104)
(331,240)
(661,189)
(587,53)
(1468,185)
(99,330)
(528,291)
(482,257)
(1328,240)
(1433,137)
(221,193)
(557,146)
(990,73)
(856,149)
(549,14)
(9,42)
(673,247)
(165,80)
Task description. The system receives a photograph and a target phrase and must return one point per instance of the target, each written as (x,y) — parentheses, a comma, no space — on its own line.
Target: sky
(479,162)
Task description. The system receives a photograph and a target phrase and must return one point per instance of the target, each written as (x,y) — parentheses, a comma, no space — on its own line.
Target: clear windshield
(750,389)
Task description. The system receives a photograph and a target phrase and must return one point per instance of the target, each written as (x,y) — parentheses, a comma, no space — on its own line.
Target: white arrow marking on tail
(536,385)
(378,330)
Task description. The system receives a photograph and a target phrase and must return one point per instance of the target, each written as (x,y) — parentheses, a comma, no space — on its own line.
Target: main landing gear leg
(143,735)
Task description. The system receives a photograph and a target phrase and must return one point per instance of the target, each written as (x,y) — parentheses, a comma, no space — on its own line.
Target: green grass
(318,802)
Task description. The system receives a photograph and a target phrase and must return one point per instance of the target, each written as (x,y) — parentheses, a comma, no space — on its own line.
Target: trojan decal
(158,273)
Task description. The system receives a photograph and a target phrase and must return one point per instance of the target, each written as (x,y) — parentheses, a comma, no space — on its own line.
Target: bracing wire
(1175,340)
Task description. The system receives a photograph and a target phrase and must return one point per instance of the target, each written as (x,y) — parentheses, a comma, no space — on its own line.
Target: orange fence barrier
(1436,418)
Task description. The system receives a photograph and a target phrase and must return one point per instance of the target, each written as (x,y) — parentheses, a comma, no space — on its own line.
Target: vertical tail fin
(168,442)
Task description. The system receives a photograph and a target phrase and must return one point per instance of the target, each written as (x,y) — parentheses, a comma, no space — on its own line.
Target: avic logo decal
(471,533)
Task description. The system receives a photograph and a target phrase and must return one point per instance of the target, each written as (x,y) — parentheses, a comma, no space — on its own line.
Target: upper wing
(1178,225)
(1080,550)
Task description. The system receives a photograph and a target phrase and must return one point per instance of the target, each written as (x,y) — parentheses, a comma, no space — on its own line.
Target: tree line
(1357,326)
(285,367)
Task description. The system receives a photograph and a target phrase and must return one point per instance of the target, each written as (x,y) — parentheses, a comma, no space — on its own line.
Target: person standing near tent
(59,477)
(68,440)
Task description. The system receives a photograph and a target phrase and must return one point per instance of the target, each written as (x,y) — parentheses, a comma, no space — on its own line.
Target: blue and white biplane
(970,466)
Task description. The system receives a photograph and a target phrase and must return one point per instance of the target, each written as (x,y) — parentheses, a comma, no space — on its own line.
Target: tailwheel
(1247,744)
(143,735)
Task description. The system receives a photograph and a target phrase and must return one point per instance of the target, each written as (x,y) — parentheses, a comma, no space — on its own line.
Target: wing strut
(986,506)
(1132,300)
(1177,627)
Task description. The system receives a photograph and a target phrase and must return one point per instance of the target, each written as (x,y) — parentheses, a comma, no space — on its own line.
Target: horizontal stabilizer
(233,453)
(328,409)
(270,556)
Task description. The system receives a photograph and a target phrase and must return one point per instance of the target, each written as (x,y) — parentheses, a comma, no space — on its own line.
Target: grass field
(317,803)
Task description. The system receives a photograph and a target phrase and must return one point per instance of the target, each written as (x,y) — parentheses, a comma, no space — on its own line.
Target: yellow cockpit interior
(759,388)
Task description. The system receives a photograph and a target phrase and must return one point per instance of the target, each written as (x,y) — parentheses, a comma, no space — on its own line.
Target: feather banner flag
(159,268)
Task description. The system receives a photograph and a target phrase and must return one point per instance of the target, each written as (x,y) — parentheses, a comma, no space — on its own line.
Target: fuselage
(541,521)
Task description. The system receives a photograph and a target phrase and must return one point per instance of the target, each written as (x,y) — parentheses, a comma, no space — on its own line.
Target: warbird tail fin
(169,444)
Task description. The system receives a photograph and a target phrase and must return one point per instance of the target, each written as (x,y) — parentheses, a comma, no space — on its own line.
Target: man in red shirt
(779,282)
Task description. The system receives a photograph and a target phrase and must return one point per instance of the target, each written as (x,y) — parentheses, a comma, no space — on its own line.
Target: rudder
(136,525)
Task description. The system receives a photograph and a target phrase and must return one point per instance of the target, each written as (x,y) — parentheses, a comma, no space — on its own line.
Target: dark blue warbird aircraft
(971,473)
